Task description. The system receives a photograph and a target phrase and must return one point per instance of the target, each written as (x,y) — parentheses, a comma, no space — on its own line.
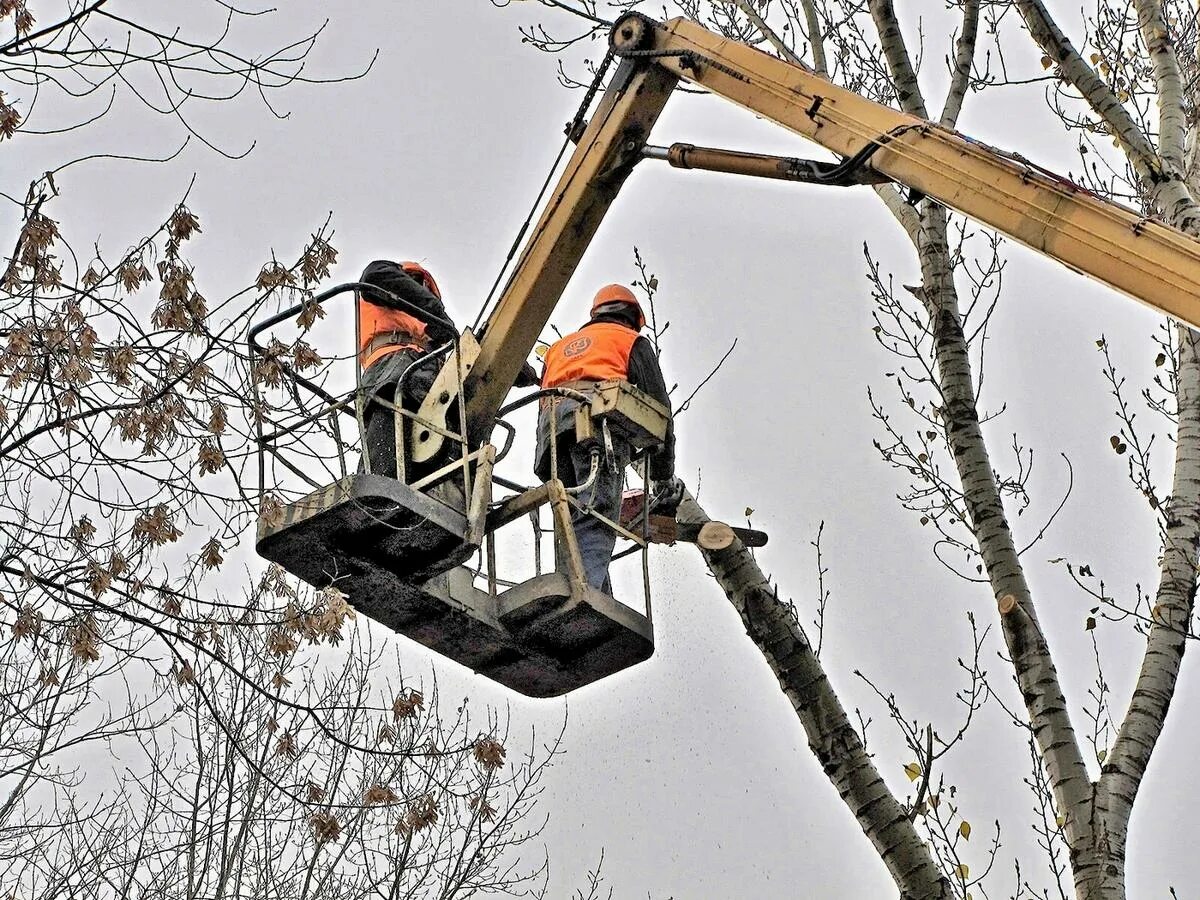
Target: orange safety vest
(382,331)
(598,352)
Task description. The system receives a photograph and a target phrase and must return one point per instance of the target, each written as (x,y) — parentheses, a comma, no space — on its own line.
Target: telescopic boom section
(1151,262)
(606,153)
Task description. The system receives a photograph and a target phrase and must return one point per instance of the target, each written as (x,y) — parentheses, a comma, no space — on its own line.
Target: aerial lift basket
(397,548)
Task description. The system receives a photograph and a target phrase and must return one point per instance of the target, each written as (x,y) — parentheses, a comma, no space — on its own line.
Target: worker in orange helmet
(400,319)
(608,346)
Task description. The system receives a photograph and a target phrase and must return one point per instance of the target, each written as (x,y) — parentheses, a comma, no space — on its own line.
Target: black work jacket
(391,277)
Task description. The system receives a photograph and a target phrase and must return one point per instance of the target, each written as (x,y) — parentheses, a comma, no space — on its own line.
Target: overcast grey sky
(690,771)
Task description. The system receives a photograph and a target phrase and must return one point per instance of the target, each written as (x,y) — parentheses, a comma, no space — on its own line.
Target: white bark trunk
(904,79)
(835,743)
(1099,866)
(1099,869)
(1096,93)
(1178,205)
(1032,661)
(1027,645)
(1171,122)
(964,58)
(816,38)
(1101,874)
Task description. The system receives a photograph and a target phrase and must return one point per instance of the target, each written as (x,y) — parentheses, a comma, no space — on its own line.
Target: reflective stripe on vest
(380,322)
(598,352)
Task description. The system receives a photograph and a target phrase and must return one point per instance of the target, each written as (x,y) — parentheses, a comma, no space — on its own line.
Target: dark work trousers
(595,538)
(380,380)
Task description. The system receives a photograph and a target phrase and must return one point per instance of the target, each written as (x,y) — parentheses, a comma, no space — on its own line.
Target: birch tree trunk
(1159,162)
(1027,646)
(1095,815)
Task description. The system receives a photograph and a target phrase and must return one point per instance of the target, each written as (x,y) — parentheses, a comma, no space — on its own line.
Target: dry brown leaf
(405,706)
(325,826)
(157,526)
(182,224)
(210,459)
(489,753)
(286,747)
(28,623)
(422,813)
(378,795)
(210,554)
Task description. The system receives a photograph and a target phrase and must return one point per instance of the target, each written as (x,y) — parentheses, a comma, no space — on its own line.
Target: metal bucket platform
(395,546)
(369,518)
(566,639)
(376,539)
(379,541)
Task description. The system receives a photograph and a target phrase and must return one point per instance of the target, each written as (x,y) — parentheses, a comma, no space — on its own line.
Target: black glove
(527,377)
(667,497)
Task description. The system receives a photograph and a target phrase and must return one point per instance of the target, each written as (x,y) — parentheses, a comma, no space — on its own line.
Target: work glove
(667,497)
(527,377)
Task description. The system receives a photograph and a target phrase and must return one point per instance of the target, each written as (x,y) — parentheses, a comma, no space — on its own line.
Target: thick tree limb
(1099,96)
(1171,122)
(1027,646)
(904,77)
(1162,174)
(1178,205)
(773,627)
(1126,764)
(816,37)
(903,211)
(908,91)
(964,57)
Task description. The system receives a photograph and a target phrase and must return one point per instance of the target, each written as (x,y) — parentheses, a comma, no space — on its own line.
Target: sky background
(690,771)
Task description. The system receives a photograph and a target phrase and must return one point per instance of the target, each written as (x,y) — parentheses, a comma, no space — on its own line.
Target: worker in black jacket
(609,346)
(397,326)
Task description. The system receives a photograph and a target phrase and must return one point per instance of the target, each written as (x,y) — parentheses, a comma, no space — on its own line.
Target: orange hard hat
(422,275)
(618,293)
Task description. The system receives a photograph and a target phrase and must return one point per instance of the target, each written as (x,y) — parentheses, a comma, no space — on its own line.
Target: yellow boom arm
(1149,261)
